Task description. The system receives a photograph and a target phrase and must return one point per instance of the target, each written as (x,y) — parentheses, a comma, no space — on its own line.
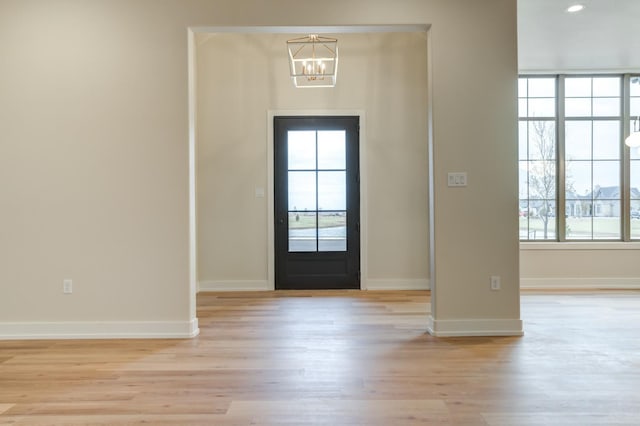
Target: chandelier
(313,61)
(633,140)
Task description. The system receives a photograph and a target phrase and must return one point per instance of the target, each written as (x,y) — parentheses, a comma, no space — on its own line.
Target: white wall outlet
(67,286)
(495,282)
(457,179)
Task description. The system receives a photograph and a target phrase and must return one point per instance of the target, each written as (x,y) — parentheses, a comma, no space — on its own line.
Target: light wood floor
(340,358)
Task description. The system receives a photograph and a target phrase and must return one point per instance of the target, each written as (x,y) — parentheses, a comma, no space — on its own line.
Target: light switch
(457,179)
(259,192)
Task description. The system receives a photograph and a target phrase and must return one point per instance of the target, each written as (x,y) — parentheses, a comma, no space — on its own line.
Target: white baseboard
(622,283)
(263,285)
(99,330)
(474,327)
(234,285)
(396,284)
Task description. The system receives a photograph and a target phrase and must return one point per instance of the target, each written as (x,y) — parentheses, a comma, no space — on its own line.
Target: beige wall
(474,229)
(580,265)
(93,163)
(94,151)
(384,75)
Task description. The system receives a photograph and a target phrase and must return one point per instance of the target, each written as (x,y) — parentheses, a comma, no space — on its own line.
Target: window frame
(560,120)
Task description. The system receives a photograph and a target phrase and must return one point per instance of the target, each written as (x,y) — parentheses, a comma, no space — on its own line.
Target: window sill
(581,245)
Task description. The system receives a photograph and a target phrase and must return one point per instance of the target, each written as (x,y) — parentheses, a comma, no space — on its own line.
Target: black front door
(317,202)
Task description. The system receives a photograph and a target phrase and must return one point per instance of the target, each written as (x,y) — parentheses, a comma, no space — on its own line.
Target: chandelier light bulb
(633,141)
(575,8)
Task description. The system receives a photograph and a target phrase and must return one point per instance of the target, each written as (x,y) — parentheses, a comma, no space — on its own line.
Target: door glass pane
(331,150)
(332,190)
(302,191)
(332,231)
(302,231)
(301,149)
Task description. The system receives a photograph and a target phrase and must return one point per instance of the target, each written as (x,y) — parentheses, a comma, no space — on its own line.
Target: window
(592,158)
(578,181)
(634,168)
(537,158)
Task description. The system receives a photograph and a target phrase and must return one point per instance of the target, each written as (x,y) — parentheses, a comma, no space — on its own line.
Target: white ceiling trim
(340,29)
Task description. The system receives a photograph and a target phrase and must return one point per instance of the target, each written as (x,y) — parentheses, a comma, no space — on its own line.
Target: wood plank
(5,407)
(340,358)
(342,410)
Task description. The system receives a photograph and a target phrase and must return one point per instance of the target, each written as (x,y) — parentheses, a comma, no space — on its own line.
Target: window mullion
(561,178)
(625,167)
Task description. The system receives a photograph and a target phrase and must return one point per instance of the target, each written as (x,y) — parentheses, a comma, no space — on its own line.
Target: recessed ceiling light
(575,8)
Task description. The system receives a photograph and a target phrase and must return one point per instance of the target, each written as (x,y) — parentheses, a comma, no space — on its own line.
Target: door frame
(271,258)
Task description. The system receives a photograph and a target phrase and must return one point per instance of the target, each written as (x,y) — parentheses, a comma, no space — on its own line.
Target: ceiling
(605,36)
